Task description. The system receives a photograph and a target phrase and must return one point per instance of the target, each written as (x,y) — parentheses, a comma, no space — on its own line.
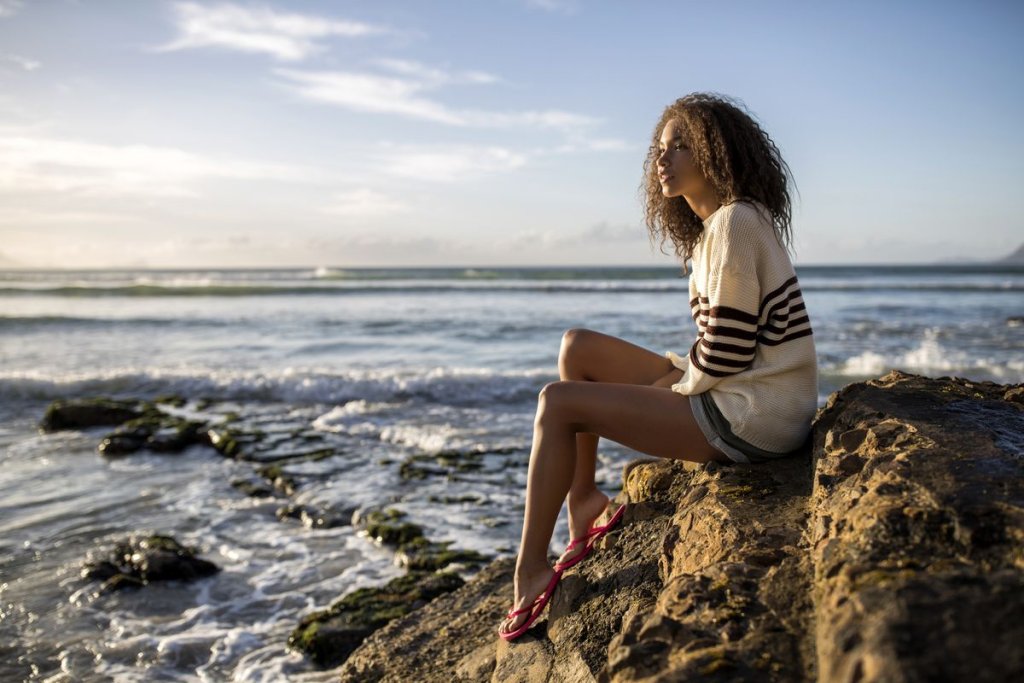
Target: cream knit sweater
(754,350)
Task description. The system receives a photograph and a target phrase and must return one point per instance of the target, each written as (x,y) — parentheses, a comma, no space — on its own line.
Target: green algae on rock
(139,560)
(329,636)
(156,432)
(82,413)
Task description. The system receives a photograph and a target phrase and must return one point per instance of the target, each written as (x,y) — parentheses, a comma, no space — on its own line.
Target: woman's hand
(674,376)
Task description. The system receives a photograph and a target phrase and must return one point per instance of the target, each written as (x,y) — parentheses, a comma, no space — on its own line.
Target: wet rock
(384,528)
(421,554)
(140,560)
(460,647)
(315,517)
(174,400)
(90,412)
(282,482)
(226,441)
(329,636)
(252,488)
(891,551)
(155,432)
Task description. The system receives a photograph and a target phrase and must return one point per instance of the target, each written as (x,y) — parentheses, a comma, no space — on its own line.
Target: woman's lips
(664,177)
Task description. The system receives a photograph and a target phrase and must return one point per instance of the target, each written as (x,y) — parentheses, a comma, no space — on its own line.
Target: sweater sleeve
(727,320)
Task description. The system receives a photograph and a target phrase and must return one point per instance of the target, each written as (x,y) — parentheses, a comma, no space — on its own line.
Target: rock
(139,560)
(255,489)
(890,552)
(421,554)
(91,412)
(917,549)
(459,650)
(315,517)
(283,483)
(328,637)
(156,432)
(381,526)
(141,424)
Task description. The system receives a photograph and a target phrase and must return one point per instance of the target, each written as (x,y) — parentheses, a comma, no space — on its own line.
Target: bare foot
(527,586)
(582,515)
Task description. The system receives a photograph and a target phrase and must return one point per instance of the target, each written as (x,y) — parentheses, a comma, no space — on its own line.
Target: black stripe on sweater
(703,368)
(727,362)
(771,329)
(787,303)
(728,348)
(793,335)
(771,295)
(733,332)
(729,313)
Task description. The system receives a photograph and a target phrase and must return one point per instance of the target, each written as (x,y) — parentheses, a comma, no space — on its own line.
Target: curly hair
(735,155)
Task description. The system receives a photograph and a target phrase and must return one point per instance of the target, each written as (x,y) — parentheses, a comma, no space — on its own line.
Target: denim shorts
(718,432)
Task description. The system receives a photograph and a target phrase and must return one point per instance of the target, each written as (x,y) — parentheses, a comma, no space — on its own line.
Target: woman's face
(678,174)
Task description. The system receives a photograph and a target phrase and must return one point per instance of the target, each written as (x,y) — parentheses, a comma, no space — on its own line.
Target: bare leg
(652,420)
(590,356)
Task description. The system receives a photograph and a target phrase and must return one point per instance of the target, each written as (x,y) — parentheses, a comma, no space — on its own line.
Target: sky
(489,132)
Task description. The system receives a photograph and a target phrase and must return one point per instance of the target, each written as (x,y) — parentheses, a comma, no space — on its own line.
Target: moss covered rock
(89,412)
(330,636)
(138,560)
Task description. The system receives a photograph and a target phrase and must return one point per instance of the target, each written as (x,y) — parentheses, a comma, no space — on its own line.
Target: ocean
(385,367)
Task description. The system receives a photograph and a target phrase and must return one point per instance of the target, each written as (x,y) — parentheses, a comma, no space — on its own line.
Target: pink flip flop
(534,608)
(589,538)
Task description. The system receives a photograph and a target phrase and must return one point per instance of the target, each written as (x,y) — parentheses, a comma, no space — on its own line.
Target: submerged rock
(139,560)
(892,551)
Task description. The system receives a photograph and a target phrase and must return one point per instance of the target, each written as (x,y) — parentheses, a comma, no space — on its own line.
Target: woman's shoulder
(746,220)
(747,211)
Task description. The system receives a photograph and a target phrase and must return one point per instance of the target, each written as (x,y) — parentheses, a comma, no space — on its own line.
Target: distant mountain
(1015,257)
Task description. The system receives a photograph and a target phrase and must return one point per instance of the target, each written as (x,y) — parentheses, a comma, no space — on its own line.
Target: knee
(551,399)
(574,341)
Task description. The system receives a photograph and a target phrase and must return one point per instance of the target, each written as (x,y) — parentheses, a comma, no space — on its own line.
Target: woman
(716,187)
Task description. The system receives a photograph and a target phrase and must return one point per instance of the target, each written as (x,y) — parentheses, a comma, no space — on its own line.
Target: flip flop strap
(528,608)
(585,537)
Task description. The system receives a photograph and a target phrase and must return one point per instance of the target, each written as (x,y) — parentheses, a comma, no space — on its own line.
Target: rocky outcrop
(891,552)
(918,532)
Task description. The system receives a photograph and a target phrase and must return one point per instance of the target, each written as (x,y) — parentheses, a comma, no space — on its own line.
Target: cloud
(402,95)
(287,37)
(364,202)
(368,93)
(23,62)
(434,76)
(445,164)
(8,8)
(31,163)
